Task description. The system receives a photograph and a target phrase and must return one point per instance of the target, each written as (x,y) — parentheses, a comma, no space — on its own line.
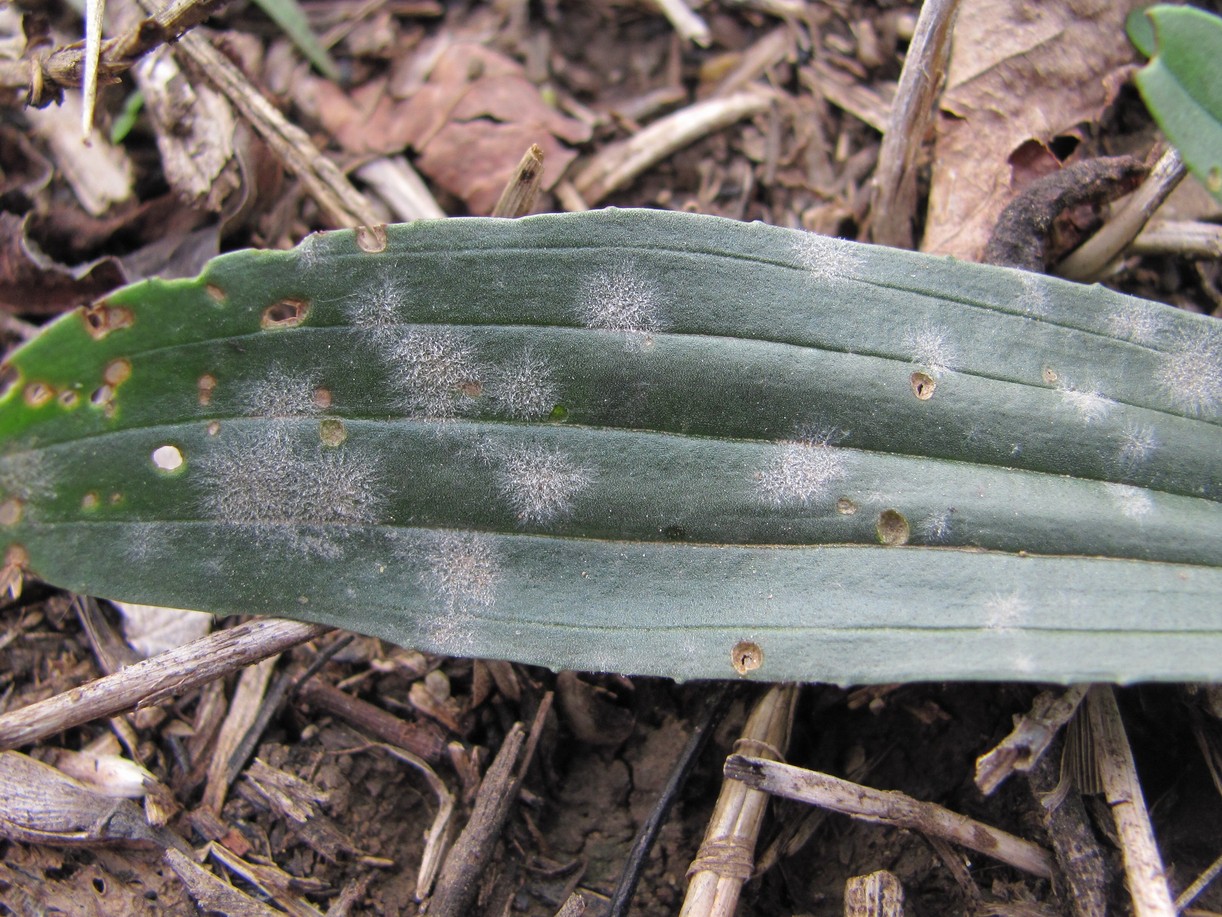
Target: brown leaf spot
(923,385)
(746,656)
(322,398)
(332,432)
(38,394)
(90,501)
(10,511)
(892,528)
(845,506)
(371,239)
(287,313)
(216,293)
(117,372)
(101,319)
(206,386)
(69,399)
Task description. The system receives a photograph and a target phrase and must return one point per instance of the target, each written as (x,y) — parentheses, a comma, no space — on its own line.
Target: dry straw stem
(1143,866)
(1093,257)
(619,164)
(877,895)
(1027,742)
(165,675)
(401,188)
(45,76)
(724,861)
(519,194)
(1181,238)
(422,738)
(684,21)
(888,807)
(1188,895)
(243,713)
(212,893)
(894,193)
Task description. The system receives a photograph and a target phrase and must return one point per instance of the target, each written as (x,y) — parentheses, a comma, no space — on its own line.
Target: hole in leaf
(287,313)
(845,506)
(746,656)
(38,393)
(101,319)
(371,239)
(68,398)
(1050,375)
(923,385)
(102,396)
(892,527)
(167,458)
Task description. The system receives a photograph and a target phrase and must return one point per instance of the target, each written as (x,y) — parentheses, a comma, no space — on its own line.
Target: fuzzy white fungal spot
(1137,444)
(936,527)
(620,299)
(523,387)
(1005,611)
(1133,502)
(802,470)
(167,458)
(437,371)
(462,570)
(1139,322)
(539,482)
(1034,299)
(286,489)
(281,394)
(378,310)
(28,475)
(1089,405)
(931,346)
(1191,373)
(826,258)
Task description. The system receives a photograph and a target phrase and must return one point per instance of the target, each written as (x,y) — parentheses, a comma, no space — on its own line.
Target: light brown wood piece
(888,807)
(1022,749)
(877,895)
(522,187)
(161,676)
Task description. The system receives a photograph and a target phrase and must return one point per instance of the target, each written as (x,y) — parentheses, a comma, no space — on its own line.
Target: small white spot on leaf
(540,482)
(436,370)
(281,394)
(1133,502)
(1191,373)
(167,458)
(937,526)
(931,346)
(1137,321)
(826,258)
(1088,404)
(802,470)
(620,299)
(523,386)
(1137,444)
(1006,611)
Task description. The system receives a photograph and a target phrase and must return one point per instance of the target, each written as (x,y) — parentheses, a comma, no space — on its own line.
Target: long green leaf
(640,442)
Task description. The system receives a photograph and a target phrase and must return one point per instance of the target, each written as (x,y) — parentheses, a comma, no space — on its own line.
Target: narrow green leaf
(289,15)
(1182,84)
(640,442)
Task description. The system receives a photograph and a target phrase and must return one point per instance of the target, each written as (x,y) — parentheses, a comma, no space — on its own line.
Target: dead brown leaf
(1019,73)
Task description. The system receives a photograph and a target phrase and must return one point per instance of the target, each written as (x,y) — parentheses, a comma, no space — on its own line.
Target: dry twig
(888,807)
(1034,731)
(519,194)
(877,895)
(165,675)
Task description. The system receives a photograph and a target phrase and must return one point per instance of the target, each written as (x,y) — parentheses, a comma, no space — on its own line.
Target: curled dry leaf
(1018,74)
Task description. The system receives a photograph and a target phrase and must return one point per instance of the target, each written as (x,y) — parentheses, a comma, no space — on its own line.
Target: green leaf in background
(639,442)
(289,15)
(1182,84)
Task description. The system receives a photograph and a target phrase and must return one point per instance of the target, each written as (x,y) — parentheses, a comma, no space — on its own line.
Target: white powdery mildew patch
(1139,322)
(523,387)
(1034,299)
(826,258)
(461,574)
(1088,404)
(936,528)
(1137,445)
(281,394)
(29,475)
(301,494)
(620,299)
(436,370)
(1133,502)
(1191,373)
(377,311)
(539,482)
(930,346)
(1006,611)
(802,470)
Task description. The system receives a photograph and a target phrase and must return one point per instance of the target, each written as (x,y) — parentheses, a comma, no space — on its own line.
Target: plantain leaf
(1182,84)
(639,442)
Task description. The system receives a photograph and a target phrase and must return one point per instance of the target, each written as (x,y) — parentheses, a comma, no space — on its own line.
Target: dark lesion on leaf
(101,319)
